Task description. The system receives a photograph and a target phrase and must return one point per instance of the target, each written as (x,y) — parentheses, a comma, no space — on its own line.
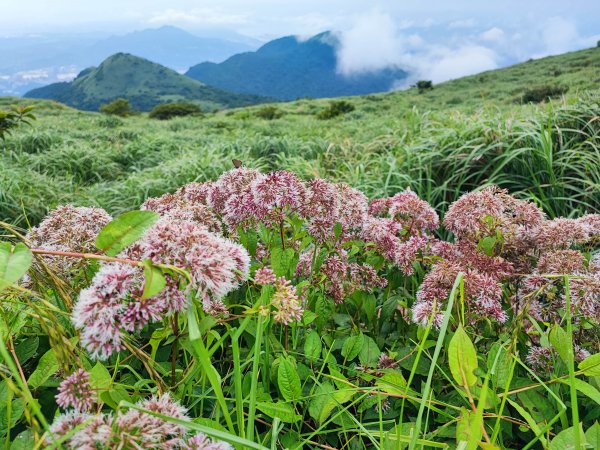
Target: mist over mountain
(33,61)
(289,68)
(144,83)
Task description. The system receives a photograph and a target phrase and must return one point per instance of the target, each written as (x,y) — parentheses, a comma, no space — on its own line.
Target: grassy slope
(462,134)
(143,82)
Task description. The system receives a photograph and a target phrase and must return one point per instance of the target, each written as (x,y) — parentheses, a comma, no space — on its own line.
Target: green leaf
(352,346)
(565,440)
(592,436)
(392,382)
(560,341)
(124,231)
(530,421)
(591,365)
(462,358)
(337,230)
(288,381)
(282,411)
(47,366)
(586,389)
(14,263)
(101,382)
(487,244)
(369,353)
(154,280)
(312,346)
(464,426)
(324,310)
(326,399)
(502,369)
(282,260)
(23,441)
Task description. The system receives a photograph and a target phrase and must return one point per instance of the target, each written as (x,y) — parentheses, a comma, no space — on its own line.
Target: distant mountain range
(144,83)
(283,69)
(33,61)
(289,68)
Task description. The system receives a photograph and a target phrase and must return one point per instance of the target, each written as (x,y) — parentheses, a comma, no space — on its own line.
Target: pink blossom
(264,275)
(76,392)
(287,303)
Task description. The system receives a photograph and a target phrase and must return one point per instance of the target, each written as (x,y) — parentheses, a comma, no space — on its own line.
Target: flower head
(76,392)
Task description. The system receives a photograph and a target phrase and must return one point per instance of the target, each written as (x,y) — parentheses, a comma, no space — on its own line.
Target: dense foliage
(13,118)
(261,309)
(167,111)
(118,107)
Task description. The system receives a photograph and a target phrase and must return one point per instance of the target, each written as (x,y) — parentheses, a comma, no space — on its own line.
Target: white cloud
(559,35)
(494,34)
(465,60)
(373,43)
(197,16)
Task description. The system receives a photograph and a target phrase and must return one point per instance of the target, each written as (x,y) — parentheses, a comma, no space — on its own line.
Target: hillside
(289,68)
(413,139)
(145,84)
(30,62)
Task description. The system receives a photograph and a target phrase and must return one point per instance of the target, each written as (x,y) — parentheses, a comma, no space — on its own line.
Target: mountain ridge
(288,68)
(144,83)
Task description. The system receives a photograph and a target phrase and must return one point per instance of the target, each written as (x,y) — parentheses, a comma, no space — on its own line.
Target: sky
(443,39)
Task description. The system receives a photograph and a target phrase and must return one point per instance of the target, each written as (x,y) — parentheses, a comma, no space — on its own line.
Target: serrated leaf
(369,353)
(352,346)
(14,263)
(282,260)
(154,280)
(124,231)
(324,310)
(282,411)
(462,358)
(288,381)
(560,341)
(591,365)
(46,367)
(312,346)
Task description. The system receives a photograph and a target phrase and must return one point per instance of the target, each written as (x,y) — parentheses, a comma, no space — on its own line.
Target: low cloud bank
(375,41)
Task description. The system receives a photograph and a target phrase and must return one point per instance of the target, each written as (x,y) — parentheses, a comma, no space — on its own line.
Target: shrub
(335,108)
(542,93)
(17,115)
(169,110)
(118,107)
(424,85)
(269,112)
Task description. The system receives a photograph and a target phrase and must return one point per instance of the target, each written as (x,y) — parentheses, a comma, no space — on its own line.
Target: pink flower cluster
(114,304)
(523,244)
(76,392)
(132,429)
(68,229)
(403,234)
(339,276)
(286,302)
